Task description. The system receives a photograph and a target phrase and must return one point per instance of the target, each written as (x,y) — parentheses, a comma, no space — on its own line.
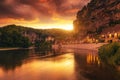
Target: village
(102,38)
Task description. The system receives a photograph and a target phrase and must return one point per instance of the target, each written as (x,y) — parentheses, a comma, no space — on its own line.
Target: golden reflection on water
(58,68)
(1,73)
(71,66)
(92,59)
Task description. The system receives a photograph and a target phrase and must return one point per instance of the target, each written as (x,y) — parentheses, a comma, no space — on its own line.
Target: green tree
(11,38)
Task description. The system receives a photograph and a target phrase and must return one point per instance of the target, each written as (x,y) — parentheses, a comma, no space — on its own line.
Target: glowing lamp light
(115,35)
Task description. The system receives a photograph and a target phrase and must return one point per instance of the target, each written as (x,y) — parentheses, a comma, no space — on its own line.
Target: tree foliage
(12,37)
(110,53)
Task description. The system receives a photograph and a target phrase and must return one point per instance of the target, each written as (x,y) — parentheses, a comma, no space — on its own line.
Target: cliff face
(97,16)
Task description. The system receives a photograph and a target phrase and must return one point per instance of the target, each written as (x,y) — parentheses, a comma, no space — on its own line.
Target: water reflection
(54,65)
(36,65)
(92,59)
(89,67)
(12,59)
(15,58)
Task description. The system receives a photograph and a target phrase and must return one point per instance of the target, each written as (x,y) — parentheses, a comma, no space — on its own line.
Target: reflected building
(89,67)
(92,59)
(81,65)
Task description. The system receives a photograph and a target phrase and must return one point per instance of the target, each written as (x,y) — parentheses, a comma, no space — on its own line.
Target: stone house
(110,37)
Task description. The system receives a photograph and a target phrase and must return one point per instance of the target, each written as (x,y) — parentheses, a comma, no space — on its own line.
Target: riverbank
(91,46)
(5,49)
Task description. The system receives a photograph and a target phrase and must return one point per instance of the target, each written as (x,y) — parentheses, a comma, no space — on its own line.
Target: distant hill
(99,16)
(19,36)
(56,33)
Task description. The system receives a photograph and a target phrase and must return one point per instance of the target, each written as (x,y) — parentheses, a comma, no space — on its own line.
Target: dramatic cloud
(43,10)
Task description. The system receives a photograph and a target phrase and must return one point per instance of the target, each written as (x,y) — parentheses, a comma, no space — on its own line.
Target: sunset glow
(58,26)
(40,14)
(59,23)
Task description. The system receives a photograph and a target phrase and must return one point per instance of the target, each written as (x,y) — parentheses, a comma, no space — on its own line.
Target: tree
(13,39)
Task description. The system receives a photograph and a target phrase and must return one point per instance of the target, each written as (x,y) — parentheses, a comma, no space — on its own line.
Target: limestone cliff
(97,16)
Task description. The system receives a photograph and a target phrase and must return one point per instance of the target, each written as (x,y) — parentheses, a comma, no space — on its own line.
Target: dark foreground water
(54,65)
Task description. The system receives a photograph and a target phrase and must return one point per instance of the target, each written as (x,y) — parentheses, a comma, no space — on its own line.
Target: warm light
(115,35)
(68,27)
(110,35)
(1,73)
(52,26)
(91,59)
(58,23)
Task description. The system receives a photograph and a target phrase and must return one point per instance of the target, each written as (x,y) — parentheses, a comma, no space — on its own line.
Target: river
(54,65)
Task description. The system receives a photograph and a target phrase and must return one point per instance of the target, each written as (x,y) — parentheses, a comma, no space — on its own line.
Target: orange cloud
(39,12)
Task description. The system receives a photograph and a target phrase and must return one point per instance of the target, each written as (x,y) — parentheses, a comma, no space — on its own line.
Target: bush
(116,57)
(110,53)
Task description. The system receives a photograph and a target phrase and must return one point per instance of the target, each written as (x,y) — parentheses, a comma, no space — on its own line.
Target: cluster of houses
(111,37)
(32,36)
(106,37)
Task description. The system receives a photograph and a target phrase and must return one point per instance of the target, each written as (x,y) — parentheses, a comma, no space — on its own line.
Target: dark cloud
(11,9)
(5,10)
(42,9)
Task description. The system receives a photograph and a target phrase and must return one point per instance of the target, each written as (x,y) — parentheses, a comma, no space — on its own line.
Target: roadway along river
(54,65)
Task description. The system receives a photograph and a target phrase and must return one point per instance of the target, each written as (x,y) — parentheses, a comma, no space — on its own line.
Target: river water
(54,65)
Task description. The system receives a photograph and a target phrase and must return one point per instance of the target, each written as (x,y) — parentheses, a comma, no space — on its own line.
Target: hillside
(99,16)
(58,34)
(18,36)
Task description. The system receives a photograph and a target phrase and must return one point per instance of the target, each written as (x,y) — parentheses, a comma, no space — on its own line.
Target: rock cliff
(97,16)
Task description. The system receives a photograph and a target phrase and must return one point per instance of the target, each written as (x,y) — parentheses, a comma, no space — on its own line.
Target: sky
(40,14)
